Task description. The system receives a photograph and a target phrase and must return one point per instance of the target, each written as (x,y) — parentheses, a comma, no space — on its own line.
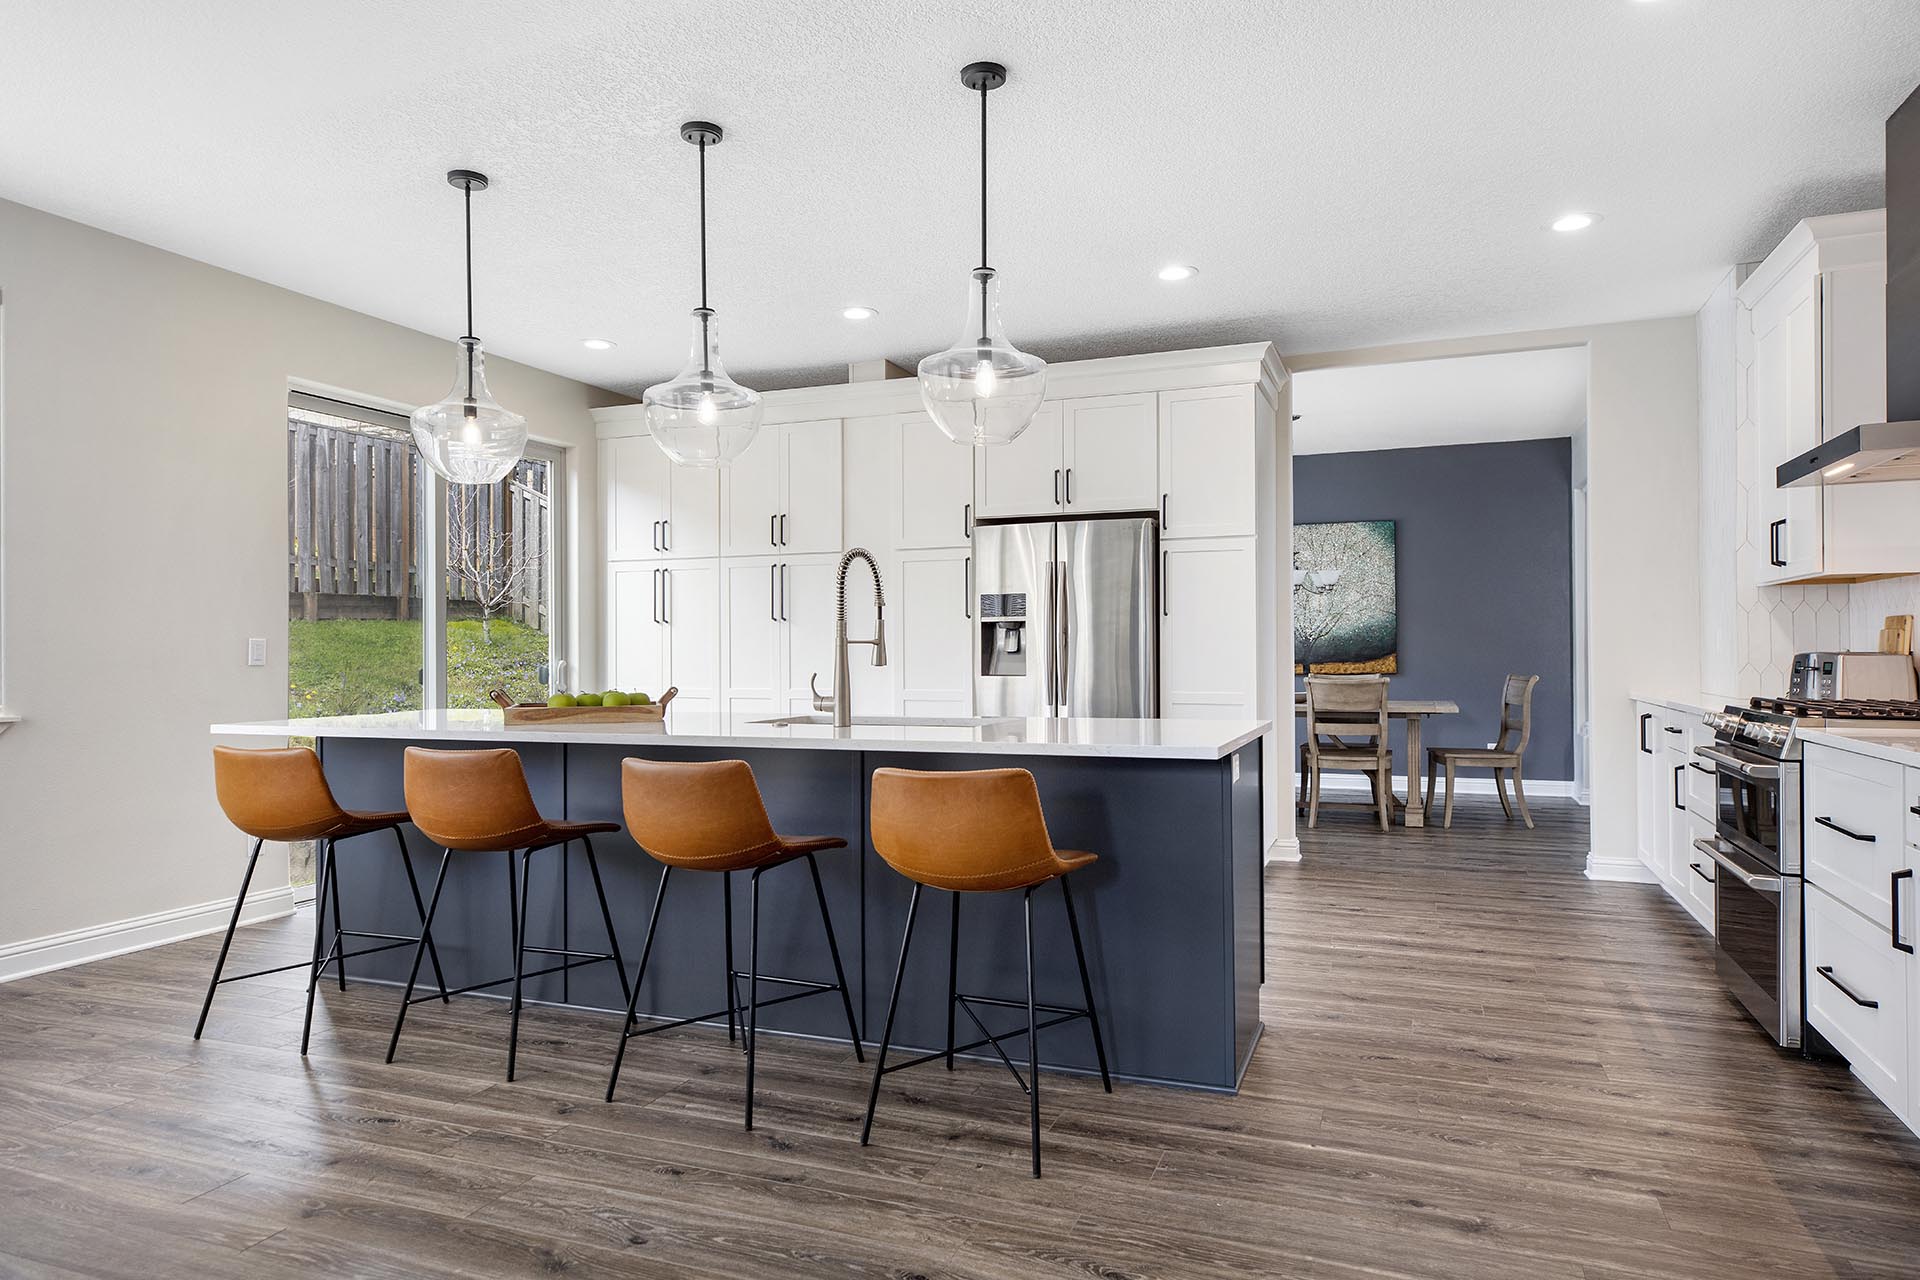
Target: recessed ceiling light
(1177,271)
(1575,221)
(859,313)
(597,344)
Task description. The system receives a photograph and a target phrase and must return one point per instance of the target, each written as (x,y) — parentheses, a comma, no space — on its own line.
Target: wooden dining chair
(1504,757)
(1347,733)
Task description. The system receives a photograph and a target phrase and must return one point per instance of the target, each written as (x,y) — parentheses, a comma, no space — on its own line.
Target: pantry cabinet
(783,493)
(1083,456)
(665,630)
(651,508)
(1812,326)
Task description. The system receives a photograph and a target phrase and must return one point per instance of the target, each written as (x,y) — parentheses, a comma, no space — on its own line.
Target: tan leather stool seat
(478,802)
(706,815)
(979,831)
(281,794)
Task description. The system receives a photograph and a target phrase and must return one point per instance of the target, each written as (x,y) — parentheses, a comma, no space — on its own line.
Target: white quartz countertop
(1902,746)
(1693,703)
(1120,739)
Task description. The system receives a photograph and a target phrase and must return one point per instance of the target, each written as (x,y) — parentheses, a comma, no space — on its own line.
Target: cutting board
(540,715)
(1896,634)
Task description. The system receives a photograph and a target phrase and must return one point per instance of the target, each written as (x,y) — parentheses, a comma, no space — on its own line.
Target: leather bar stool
(709,816)
(976,832)
(478,802)
(281,793)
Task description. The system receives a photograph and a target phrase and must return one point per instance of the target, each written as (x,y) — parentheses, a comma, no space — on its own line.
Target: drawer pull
(1826,971)
(1701,872)
(1695,764)
(1893,891)
(1674,729)
(1831,825)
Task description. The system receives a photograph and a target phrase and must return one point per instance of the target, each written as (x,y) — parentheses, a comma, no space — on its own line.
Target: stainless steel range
(1757,890)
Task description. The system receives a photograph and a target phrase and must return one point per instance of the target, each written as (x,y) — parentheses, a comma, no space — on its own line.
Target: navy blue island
(1172,912)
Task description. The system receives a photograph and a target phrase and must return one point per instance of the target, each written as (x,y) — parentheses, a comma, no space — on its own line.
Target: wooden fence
(352,507)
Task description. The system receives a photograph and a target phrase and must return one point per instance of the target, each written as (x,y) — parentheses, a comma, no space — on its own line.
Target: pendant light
(983,390)
(702,418)
(469,437)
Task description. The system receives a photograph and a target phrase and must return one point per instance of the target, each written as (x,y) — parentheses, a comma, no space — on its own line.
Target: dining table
(1414,711)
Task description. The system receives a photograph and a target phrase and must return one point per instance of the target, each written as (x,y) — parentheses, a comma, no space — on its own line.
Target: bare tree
(1346,601)
(496,566)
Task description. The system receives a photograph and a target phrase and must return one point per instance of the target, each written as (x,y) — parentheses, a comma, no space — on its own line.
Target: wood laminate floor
(1477,1063)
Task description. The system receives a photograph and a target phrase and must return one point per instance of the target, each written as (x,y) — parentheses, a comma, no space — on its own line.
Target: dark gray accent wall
(1485,550)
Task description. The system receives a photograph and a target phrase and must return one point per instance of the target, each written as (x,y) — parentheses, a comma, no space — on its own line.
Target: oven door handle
(1759,884)
(1735,765)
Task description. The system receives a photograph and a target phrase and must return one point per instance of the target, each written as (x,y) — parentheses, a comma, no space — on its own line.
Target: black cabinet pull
(773,592)
(1773,544)
(773,538)
(1915,810)
(1679,801)
(1893,889)
(783,528)
(1826,971)
(783,592)
(666,535)
(657,616)
(1069,486)
(1711,773)
(1644,717)
(666,596)
(966,519)
(1056,486)
(656,536)
(1673,729)
(1831,825)
(1701,872)
(1163,513)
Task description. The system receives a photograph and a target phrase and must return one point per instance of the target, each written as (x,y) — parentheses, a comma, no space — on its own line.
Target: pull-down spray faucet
(840,701)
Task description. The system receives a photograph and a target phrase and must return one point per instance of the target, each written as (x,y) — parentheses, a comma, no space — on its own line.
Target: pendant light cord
(983,177)
(703,226)
(467,188)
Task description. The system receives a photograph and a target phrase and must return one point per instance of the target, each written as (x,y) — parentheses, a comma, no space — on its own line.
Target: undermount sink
(921,722)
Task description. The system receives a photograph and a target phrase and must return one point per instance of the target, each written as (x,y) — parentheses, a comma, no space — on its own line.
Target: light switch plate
(257,651)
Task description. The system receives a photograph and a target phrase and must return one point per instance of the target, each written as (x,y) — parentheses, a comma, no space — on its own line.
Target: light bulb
(983,378)
(470,422)
(709,412)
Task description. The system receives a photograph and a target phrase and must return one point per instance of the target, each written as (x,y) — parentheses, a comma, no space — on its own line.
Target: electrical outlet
(257,651)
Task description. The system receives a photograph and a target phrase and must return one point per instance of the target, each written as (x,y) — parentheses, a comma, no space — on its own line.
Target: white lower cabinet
(779,632)
(1698,871)
(933,628)
(1650,823)
(1208,629)
(1859,996)
(750,590)
(666,630)
(806,623)
(1675,803)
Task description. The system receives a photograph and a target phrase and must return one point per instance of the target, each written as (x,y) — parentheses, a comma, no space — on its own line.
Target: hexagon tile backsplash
(1777,622)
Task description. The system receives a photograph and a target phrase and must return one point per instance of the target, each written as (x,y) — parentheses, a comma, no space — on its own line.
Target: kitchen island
(1172,912)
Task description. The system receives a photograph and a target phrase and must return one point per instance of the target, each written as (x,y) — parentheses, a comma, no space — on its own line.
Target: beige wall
(143,528)
(1641,465)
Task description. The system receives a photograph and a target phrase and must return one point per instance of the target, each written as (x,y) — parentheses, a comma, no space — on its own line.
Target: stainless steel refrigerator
(1068,623)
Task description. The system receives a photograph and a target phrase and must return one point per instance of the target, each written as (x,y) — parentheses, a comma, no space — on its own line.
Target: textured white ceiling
(1344,172)
(1527,395)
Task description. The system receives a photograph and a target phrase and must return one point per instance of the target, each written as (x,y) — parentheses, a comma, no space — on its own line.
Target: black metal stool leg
(313,971)
(893,1005)
(726,915)
(633,1001)
(420,908)
(1033,1041)
(245,879)
(1086,985)
(953,974)
(419,951)
(753,981)
(517,896)
(606,917)
(339,938)
(833,949)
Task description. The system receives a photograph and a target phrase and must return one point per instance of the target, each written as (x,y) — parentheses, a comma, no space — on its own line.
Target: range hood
(1889,450)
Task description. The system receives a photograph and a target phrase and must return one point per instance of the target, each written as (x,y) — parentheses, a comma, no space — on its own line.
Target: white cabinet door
(1859,995)
(1207,477)
(635,489)
(806,617)
(936,633)
(1786,411)
(810,513)
(692,529)
(1853,822)
(690,605)
(1024,478)
(1112,454)
(752,502)
(636,652)
(1208,632)
(1700,871)
(751,656)
(935,486)
(1651,824)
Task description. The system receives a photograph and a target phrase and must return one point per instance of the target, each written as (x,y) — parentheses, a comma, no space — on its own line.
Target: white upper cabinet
(935,484)
(1208,471)
(783,494)
(751,656)
(1815,311)
(1024,478)
(637,656)
(655,509)
(1112,454)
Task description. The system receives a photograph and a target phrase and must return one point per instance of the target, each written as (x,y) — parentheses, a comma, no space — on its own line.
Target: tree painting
(1345,613)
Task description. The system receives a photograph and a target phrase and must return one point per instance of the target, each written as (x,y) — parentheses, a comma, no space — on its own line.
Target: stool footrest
(330,958)
(501,982)
(813,989)
(390,937)
(993,1040)
(562,951)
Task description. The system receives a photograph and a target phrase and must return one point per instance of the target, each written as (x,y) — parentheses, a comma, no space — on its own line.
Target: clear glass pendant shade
(469,437)
(702,418)
(983,390)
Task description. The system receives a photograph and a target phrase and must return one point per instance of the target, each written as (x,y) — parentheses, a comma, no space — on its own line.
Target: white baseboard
(1629,870)
(99,942)
(1536,789)
(1285,849)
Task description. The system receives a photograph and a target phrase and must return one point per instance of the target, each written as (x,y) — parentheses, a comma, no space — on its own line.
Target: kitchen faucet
(840,701)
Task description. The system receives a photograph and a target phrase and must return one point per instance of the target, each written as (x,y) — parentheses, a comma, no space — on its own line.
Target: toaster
(1878,677)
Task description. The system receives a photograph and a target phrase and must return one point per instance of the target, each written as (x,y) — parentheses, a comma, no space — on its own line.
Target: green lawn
(350,666)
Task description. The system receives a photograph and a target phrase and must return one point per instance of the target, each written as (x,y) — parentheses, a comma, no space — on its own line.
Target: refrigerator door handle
(1053,651)
(1064,630)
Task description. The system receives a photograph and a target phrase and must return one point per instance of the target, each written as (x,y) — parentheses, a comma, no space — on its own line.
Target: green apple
(642,700)
(614,698)
(588,699)
(562,700)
